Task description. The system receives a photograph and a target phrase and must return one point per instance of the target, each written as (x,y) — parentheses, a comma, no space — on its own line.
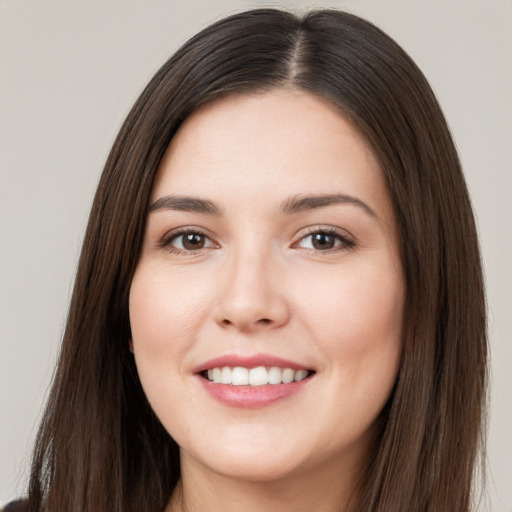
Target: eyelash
(168,239)
(343,242)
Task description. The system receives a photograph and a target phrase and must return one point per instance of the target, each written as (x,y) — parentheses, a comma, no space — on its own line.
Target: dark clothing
(16,506)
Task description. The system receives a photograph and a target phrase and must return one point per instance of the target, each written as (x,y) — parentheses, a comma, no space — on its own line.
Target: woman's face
(270,254)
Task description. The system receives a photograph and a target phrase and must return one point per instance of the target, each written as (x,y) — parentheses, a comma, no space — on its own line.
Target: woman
(279,301)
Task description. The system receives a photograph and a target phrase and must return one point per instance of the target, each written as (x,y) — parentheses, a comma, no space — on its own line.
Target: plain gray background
(69,72)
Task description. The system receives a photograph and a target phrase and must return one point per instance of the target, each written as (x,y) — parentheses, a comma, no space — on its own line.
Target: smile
(259,376)
(252,381)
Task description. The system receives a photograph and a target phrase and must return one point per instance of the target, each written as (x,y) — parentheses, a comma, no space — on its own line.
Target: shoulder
(15,506)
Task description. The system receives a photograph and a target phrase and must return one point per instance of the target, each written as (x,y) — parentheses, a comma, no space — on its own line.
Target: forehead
(268,145)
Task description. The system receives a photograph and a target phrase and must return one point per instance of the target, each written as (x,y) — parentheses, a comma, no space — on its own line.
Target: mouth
(254,381)
(257,376)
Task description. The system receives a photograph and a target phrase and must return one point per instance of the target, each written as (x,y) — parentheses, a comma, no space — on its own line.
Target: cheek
(165,312)
(163,323)
(357,322)
(358,330)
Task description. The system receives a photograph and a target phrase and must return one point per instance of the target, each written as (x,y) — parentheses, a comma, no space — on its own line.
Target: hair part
(100,446)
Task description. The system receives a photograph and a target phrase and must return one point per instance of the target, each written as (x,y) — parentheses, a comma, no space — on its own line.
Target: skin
(260,285)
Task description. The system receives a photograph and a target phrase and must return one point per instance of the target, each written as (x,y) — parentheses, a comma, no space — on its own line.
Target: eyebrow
(301,203)
(185,204)
(292,205)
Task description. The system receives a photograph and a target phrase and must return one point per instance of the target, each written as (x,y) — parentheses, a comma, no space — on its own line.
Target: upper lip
(253,361)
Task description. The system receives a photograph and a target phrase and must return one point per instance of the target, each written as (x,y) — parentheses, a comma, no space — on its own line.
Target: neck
(327,490)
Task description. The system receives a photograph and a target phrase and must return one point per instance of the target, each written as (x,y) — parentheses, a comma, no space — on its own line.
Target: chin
(253,469)
(250,460)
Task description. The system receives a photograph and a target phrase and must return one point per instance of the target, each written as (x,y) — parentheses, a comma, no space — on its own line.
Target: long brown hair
(100,447)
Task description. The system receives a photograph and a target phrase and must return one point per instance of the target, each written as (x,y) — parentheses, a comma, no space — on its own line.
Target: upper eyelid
(311,230)
(174,233)
(166,241)
(347,240)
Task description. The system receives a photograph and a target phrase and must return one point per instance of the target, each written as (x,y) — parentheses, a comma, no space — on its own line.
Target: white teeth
(300,375)
(240,376)
(288,375)
(274,375)
(225,375)
(259,376)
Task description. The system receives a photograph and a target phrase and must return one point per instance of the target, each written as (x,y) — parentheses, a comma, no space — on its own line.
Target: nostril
(247,323)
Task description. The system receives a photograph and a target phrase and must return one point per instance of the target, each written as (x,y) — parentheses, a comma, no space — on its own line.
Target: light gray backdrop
(70,70)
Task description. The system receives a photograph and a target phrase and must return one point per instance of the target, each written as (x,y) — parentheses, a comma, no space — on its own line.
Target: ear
(130,343)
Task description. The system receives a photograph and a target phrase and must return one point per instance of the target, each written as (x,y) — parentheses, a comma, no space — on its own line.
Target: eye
(187,241)
(324,241)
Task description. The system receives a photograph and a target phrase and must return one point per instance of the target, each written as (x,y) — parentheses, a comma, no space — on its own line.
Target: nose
(252,296)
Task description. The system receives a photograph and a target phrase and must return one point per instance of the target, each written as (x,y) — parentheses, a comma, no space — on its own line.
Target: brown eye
(188,241)
(323,241)
(193,241)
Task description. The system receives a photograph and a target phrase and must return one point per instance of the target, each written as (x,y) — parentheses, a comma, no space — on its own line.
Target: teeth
(260,376)
(300,375)
(240,376)
(225,375)
(288,375)
(274,375)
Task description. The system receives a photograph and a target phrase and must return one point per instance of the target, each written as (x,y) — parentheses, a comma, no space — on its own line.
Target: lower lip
(251,397)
